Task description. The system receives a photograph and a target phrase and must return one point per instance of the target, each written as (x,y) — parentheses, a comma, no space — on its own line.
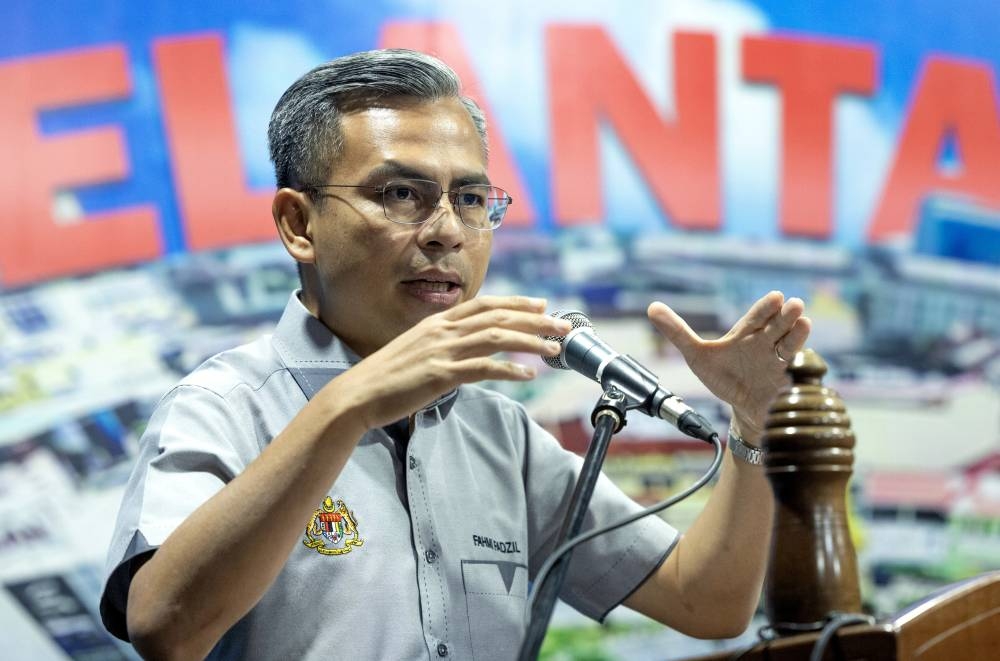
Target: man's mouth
(432,285)
(437,289)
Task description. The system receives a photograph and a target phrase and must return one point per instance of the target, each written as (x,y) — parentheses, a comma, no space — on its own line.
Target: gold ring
(778,353)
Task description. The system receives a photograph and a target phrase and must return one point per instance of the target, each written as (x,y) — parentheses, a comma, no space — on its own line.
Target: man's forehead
(394,112)
(415,134)
(360,102)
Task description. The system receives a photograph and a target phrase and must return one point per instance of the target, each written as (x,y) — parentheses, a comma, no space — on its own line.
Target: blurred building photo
(869,191)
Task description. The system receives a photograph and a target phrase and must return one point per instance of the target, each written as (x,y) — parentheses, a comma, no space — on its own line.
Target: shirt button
(413,462)
(431,559)
(442,649)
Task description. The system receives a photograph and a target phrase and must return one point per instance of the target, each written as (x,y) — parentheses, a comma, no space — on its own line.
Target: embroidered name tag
(496,545)
(332,530)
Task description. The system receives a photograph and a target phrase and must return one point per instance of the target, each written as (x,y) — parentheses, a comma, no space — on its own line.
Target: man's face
(379,278)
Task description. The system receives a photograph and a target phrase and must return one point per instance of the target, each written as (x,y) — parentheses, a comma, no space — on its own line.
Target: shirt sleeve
(607,569)
(191,449)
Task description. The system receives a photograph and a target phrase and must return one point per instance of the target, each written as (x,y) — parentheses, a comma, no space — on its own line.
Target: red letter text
(591,83)
(34,244)
(810,75)
(956,100)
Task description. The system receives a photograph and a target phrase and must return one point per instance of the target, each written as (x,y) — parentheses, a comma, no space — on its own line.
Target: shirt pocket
(495,596)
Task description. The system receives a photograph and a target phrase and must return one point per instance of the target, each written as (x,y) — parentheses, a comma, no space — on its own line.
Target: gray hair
(305,136)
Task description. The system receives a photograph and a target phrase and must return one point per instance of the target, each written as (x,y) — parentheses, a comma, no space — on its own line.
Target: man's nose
(444,226)
(447,199)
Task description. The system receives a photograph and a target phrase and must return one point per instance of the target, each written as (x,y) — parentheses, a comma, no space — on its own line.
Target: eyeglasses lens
(412,201)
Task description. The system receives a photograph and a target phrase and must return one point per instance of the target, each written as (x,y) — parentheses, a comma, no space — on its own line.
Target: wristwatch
(743,450)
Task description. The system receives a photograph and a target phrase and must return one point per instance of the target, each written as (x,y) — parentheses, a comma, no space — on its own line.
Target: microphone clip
(614,404)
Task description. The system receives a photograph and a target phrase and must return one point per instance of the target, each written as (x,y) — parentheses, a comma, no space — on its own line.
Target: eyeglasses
(414,201)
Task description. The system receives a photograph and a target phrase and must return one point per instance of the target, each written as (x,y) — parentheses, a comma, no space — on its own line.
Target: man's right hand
(445,350)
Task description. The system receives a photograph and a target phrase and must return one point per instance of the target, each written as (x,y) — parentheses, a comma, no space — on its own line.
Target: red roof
(911,489)
(988,464)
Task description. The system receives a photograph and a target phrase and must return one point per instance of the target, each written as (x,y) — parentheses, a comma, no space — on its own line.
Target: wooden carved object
(809,455)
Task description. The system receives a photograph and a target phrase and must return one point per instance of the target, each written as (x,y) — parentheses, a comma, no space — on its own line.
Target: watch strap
(744,451)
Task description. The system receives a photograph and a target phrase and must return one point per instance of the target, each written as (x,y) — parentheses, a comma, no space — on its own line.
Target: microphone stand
(608,417)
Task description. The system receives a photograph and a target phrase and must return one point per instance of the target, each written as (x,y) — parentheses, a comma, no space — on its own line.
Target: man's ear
(292,210)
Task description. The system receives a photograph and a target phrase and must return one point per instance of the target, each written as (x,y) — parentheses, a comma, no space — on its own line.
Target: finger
(761,312)
(527,322)
(488,369)
(493,340)
(795,339)
(481,304)
(779,324)
(673,327)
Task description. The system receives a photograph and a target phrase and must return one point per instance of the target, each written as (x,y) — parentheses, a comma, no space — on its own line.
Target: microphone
(584,352)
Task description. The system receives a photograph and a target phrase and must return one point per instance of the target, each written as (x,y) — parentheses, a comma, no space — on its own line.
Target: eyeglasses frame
(452,196)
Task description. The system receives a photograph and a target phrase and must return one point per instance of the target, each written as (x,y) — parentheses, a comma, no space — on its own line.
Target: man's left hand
(745,367)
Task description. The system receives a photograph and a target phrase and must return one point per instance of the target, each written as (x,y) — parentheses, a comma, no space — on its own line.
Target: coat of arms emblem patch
(332,529)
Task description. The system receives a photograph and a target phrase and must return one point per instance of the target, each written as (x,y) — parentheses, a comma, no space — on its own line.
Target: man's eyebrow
(470,179)
(395,170)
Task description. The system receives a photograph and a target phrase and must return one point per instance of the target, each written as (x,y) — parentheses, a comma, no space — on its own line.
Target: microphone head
(579,320)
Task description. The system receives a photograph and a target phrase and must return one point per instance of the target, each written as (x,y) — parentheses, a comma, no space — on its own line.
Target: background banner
(699,152)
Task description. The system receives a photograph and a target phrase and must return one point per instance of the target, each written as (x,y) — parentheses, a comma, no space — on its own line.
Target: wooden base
(959,623)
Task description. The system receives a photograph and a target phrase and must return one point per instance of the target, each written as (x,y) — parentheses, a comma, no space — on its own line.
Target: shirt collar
(303,341)
(314,355)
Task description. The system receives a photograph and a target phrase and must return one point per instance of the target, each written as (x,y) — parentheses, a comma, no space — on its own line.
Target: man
(340,488)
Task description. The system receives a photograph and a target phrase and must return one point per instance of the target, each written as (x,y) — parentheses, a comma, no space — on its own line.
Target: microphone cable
(572,543)
(836,622)
(832,623)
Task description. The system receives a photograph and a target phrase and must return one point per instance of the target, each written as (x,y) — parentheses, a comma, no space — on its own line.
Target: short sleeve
(605,570)
(191,448)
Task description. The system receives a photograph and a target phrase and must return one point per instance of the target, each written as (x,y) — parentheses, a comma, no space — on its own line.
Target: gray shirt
(424,547)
